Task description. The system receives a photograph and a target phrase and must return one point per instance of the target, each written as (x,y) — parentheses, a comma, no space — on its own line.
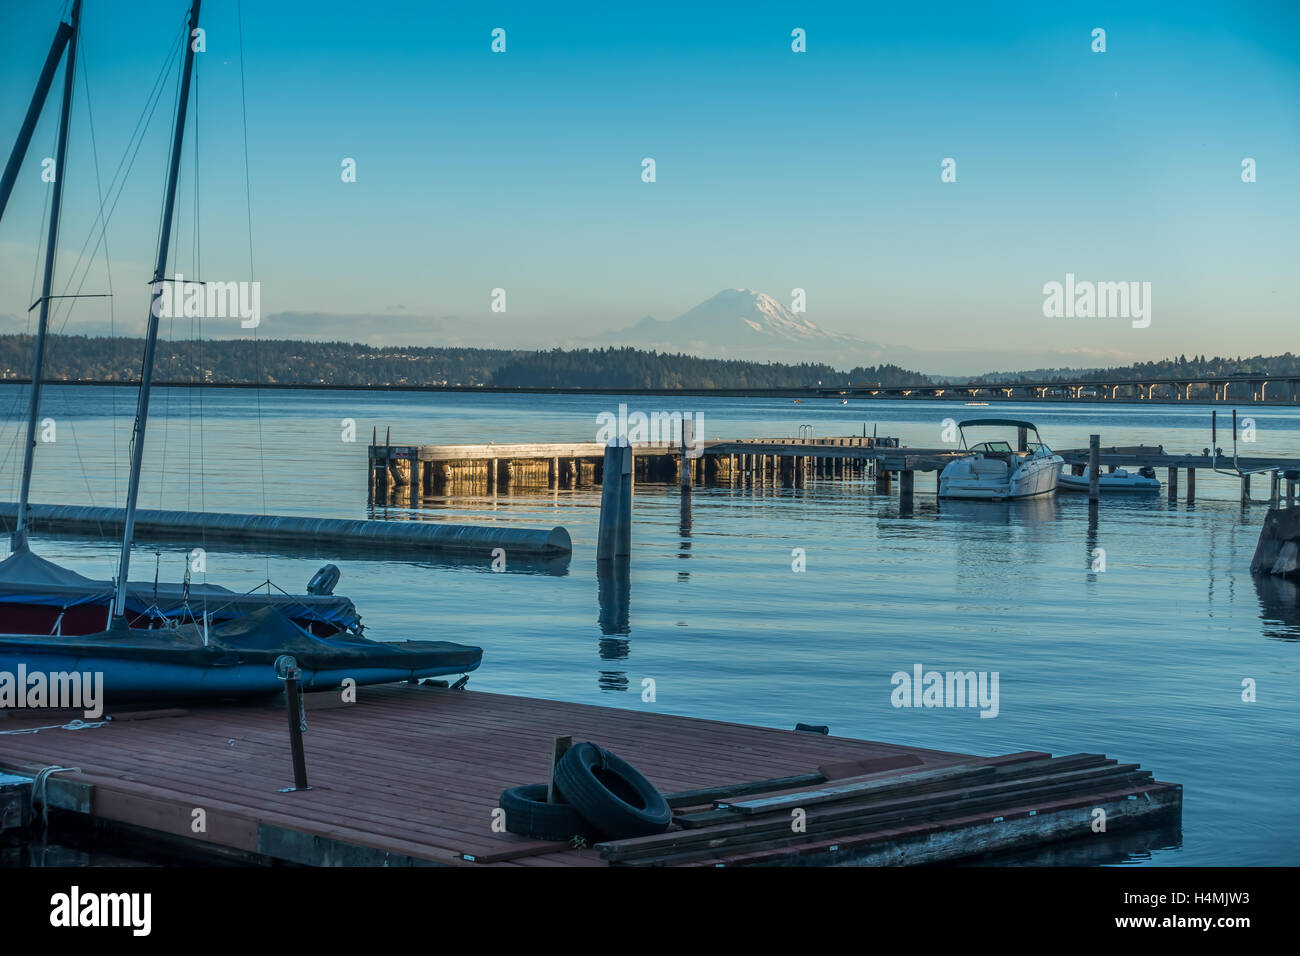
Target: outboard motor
(1146,471)
(323,581)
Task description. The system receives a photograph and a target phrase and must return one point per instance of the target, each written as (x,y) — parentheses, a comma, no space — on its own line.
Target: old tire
(612,794)
(528,814)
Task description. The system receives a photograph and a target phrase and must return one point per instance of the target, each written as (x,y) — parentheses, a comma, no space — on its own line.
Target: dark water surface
(1145,661)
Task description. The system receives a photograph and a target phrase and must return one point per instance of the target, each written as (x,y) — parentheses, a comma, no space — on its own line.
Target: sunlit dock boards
(399,472)
(411,776)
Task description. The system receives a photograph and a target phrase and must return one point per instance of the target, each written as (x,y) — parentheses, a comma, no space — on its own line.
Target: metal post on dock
(286,668)
(1245,490)
(1094,467)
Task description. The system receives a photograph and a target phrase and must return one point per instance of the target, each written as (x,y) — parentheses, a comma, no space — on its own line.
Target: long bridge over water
(1263,389)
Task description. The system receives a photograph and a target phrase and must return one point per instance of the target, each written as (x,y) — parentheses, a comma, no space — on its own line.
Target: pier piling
(1094,467)
(614,538)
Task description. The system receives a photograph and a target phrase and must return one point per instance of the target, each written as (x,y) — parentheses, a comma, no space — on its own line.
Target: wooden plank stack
(743,827)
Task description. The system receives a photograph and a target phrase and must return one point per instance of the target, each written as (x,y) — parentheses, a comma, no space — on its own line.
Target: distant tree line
(79,358)
(280,361)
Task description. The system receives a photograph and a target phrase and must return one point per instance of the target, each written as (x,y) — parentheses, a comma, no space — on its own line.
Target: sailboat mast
(151,338)
(19,539)
(10,175)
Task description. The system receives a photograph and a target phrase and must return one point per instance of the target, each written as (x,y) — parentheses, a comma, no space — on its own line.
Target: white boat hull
(1112,483)
(1030,479)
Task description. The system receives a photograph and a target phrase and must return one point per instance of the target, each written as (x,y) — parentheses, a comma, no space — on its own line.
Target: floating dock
(411,775)
(387,537)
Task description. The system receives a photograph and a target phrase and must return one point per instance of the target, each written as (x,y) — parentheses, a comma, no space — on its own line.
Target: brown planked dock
(411,775)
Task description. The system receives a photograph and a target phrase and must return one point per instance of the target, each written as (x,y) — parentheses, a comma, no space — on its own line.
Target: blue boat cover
(27,578)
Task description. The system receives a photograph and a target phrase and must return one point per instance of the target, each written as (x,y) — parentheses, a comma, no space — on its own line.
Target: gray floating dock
(396,537)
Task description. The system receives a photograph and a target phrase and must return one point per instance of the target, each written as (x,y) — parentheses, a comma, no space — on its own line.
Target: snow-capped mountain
(740,323)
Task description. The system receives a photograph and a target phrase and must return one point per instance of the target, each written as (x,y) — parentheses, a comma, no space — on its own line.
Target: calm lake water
(1144,662)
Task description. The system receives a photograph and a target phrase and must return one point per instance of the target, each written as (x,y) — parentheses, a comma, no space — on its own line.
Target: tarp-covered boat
(228,660)
(1119,480)
(40,597)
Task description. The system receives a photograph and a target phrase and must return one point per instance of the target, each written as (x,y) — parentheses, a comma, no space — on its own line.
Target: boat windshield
(992,448)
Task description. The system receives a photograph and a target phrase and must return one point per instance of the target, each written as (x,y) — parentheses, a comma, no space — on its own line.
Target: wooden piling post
(687,468)
(1173,484)
(1274,489)
(1245,489)
(1094,467)
(614,536)
(1191,485)
(905,482)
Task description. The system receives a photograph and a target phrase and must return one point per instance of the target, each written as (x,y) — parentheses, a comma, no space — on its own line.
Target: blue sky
(775,170)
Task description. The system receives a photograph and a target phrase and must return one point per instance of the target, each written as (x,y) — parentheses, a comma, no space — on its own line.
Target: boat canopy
(1008,422)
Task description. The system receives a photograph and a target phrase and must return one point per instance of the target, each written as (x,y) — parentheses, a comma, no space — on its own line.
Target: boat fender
(611,794)
(323,581)
(528,814)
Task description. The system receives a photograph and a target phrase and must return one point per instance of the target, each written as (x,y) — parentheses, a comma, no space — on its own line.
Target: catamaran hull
(138,680)
(236,659)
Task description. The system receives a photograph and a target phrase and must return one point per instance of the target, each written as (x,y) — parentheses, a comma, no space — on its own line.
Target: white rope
(38,787)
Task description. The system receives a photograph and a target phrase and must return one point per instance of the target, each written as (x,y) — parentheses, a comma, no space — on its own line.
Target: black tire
(612,794)
(528,814)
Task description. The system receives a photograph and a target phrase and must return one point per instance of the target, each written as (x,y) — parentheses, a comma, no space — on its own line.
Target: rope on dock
(38,787)
(75,724)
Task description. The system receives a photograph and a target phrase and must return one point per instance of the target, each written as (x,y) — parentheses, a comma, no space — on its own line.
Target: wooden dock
(411,775)
(403,474)
(412,471)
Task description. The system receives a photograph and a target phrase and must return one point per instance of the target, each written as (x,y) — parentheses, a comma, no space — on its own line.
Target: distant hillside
(634,368)
(276,361)
(289,362)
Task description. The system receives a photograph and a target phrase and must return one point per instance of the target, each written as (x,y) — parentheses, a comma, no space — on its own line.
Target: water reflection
(1279,603)
(614,598)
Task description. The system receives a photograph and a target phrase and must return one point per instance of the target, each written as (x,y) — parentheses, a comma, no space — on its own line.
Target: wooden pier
(411,775)
(413,471)
(403,474)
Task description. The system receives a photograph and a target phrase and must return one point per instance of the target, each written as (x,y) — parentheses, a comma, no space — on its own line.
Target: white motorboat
(995,471)
(1119,480)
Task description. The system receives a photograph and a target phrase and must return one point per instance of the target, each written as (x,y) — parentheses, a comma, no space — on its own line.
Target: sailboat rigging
(164,648)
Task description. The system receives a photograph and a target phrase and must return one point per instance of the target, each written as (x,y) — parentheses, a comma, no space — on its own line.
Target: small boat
(1118,481)
(234,659)
(977,403)
(38,596)
(994,471)
(844,401)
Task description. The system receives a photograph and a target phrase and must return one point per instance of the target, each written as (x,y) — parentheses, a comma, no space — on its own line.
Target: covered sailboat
(168,656)
(38,596)
(230,660)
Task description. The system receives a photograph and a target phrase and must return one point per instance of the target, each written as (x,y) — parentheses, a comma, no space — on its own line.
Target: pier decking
(410,775)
